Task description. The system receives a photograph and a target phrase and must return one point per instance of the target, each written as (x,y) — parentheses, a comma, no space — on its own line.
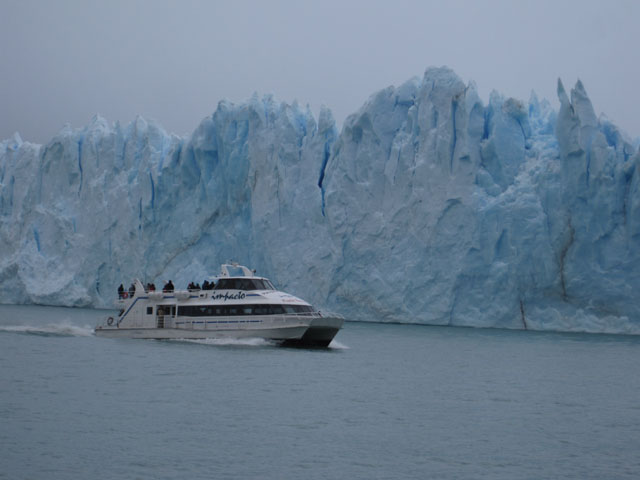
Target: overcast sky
(64,61)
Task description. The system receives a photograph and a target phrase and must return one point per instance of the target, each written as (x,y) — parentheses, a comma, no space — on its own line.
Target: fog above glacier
(63,62)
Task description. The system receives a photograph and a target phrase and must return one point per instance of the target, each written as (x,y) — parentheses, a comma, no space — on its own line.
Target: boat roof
(245,272)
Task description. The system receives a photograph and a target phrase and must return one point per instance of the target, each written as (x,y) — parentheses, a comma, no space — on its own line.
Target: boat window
(149,310)
(254,309)
(298,309)
(226,284)
(243,284)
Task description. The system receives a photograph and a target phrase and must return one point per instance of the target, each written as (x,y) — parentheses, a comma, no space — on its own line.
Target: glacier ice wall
(449,212)
(102,205)
(428,207)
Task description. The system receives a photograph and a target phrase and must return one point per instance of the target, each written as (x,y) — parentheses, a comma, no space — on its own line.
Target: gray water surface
(386,401)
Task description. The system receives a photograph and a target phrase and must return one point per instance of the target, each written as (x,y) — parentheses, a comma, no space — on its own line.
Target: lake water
(384,402)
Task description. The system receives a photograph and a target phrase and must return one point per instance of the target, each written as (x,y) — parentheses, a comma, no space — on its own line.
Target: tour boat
(241,305)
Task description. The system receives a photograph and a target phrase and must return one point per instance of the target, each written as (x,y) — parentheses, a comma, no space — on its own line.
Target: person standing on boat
(132,290)
(168,287)
(120,291)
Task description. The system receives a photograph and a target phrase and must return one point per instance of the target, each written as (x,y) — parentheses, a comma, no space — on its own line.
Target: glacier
(427,207)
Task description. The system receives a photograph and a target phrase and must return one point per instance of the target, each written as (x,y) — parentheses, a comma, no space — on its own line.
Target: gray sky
(173,61)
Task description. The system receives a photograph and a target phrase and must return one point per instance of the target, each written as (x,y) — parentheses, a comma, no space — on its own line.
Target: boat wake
(63,329)
(247,342)
(237,342)
(335,345)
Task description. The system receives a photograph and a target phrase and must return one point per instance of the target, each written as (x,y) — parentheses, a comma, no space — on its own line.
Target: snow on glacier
(429,207)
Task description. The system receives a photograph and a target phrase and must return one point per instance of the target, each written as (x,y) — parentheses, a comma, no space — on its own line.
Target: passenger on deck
(132,290)
(120,291)
(205,285)
(152,287)
(168,287)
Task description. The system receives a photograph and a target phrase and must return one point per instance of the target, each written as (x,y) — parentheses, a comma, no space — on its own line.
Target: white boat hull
(276,333)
